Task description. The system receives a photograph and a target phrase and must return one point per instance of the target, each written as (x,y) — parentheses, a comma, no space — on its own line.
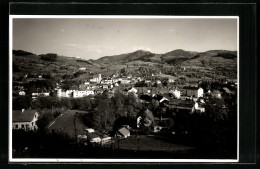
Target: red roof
(26,116)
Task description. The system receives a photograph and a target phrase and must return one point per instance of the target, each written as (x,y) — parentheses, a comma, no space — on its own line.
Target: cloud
(171,30)
(141,48)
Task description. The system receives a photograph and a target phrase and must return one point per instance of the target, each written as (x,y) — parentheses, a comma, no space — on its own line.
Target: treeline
(104,110)
(226,55)
(39,86)
(21,53)
(50,57)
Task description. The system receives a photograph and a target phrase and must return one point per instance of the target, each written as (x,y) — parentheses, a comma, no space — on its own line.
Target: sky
(92,38)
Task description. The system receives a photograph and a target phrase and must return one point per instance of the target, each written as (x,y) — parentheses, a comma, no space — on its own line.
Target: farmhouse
(25,119)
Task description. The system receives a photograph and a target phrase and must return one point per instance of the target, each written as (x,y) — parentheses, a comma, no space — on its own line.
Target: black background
(248,92)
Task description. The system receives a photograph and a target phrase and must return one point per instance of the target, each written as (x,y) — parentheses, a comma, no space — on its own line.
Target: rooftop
(26,116)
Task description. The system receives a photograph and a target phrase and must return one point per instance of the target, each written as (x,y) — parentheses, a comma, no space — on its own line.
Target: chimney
(22,110)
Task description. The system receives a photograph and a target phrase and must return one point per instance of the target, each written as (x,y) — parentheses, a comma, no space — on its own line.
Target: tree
(22,102)
(103,116)
(44,121)
(216,109)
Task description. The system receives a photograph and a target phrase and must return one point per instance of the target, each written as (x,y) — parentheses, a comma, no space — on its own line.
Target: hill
(175,57)
(128,57)
(72,71)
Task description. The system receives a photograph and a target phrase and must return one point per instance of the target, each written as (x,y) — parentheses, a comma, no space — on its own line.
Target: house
(216,93)
(82,68)
(90,130)
(157,90)
(86,83)
(67,93)
(162,123)
(105,139)
(176,93)
(125,81)
(182,105)
(158,82)
(77,94)
(25,119)
(193,91)
(36,95)
(93,137)
(105,86)
(171,80)
(132,90)
(123,132)
(160,98)
(199,108)
(106,81)
(96,79)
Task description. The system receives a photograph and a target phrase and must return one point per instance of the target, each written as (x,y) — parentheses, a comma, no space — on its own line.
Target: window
(32,123)
(16,126)
(22,126)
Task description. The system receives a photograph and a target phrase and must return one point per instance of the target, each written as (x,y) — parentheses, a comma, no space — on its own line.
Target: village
(162,108)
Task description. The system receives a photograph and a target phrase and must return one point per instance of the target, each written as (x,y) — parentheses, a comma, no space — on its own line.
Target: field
(152,143)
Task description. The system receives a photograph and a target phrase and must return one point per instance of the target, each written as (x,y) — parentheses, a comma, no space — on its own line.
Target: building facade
(25,119)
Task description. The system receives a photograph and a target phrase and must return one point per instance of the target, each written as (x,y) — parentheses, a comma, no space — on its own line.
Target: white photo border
(67,160)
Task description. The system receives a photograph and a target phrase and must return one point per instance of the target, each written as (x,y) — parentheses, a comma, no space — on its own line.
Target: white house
(25,119)
(90,130)
(84,93)
(82,68)
(67,93)
(176,93)
(171,80)
(198,108)
(125,81)
(35,95)
(132,90)
(96,78)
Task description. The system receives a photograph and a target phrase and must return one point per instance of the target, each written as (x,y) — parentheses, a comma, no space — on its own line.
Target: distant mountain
(128,57)
(173,57)
(177,54)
